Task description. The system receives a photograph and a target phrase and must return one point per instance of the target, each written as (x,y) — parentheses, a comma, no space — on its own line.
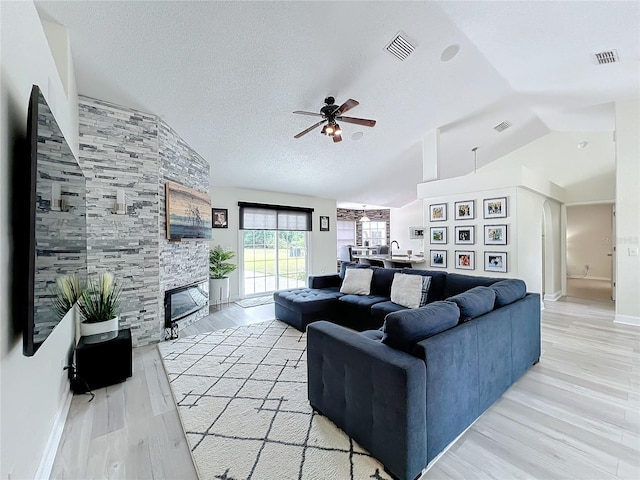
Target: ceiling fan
(330,114)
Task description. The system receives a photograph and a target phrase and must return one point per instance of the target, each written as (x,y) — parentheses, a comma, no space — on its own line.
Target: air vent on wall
(400,47)
(501,127)
(610,56)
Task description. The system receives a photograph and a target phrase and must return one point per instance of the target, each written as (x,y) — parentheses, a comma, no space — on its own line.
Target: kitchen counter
(396,258)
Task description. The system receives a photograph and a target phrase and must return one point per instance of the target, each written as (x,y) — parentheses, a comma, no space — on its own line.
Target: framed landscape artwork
(465,210)
(495,234)
(438,212)
(438,258)
(188,213)
(495,207)
(438,235)
(465,259)
(495,262)
(324,224)
(465,235)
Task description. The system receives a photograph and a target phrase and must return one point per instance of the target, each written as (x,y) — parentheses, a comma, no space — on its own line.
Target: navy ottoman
(301,306)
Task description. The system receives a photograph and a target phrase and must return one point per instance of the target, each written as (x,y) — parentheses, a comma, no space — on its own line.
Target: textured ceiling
(228,75)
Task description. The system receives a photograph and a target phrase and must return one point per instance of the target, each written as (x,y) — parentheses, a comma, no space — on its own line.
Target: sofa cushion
(382,280)
(403,329)
(474,302)
(306,300)
(357,281)
(438,282)
(508,291)
(458,283)
(382,309)
(345,265)
(410,290)
(373,334)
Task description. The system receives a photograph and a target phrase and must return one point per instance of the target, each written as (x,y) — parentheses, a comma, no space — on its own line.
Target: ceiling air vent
(610,56)
(501,127)
(400,47)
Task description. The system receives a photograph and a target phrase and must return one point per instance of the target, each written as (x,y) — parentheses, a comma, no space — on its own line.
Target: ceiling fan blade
(337,138)
(348,105)
(304,132)
(300,112)
(358,121)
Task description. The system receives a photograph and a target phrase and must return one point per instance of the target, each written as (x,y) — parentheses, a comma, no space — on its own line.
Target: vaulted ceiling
(228,75)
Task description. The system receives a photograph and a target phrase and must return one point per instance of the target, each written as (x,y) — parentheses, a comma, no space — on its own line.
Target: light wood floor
(574,415)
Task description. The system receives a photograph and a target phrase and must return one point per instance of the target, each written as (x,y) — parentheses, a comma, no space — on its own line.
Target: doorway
(590,252)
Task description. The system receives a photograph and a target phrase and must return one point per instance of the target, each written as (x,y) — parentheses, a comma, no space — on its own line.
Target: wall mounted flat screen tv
(188,213)
(57,231)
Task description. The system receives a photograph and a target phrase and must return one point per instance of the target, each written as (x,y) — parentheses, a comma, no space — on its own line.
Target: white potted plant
(219,269)
(67,292)
(98,305)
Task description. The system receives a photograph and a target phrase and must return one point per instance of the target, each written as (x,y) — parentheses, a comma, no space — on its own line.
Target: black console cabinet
(101,362)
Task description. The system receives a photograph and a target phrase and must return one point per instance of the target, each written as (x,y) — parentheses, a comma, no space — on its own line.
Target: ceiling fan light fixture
(329,129)
(338,130)
(364,217)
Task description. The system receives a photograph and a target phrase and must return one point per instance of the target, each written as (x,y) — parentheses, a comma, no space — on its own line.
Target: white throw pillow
(357,281)
(410,290)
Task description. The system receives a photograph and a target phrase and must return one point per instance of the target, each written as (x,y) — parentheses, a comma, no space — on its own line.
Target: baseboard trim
(627,320)
(49,455)
(553,297)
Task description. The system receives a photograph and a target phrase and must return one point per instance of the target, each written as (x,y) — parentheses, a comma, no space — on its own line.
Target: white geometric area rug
(242,398)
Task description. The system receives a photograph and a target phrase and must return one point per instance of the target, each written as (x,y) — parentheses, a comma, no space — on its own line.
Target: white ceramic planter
(218,290)
(100,327)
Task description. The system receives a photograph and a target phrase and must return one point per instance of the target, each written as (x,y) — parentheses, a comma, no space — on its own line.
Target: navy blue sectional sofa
(407,390)
(322,300)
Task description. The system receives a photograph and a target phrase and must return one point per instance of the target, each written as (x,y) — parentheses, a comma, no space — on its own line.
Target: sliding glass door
(273,260)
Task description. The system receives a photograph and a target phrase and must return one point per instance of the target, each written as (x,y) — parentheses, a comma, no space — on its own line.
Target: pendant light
(364,217)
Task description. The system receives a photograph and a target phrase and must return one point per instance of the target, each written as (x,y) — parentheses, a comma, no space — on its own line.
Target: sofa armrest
(325,281)
(374,393)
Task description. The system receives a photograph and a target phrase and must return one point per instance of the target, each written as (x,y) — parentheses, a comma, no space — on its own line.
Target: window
(274,254)
(374,233)
(346,233)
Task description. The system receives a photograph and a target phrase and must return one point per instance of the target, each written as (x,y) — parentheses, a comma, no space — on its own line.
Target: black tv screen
(57,243)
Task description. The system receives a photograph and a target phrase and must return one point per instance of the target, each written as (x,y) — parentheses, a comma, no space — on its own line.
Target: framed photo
(438,235)
(324,224)
(220,216)
(438,212)
(465,259)
(438,258)
(465,235)
(416,233)
(495,207)
(495,262)
(465,210)
(495,234)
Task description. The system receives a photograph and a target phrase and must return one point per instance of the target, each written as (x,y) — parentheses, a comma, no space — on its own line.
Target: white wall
(478,222)
(627,212)
(411,215)
(524,222)
(34,389)
(554,248)
(589,239)
(586,174)
(322,245)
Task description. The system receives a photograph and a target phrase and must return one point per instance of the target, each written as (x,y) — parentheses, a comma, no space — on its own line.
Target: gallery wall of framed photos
(472,233)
